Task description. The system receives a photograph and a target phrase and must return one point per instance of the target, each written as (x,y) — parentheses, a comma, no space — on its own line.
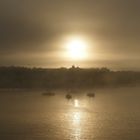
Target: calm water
(114,114)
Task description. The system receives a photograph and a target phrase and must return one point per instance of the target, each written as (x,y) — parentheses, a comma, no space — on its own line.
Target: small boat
(91,95)
(68,96)
(48,93)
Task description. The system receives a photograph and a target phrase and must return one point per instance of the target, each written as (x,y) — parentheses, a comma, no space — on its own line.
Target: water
(113,114)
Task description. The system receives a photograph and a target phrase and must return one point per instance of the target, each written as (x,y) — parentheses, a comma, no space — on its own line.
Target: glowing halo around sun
(76,49)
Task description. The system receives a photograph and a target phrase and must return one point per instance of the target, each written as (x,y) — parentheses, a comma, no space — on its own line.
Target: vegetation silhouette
(66,78)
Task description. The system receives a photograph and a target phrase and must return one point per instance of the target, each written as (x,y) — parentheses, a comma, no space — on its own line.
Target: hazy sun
(76,49)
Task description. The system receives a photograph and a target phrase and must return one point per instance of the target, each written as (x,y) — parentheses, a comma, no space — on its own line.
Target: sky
(33,33)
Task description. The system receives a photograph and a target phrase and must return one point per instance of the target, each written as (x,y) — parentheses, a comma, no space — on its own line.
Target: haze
(33,33)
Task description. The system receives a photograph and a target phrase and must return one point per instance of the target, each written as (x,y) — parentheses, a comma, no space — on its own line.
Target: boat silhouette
(91,95)
(68,96)
(48,93)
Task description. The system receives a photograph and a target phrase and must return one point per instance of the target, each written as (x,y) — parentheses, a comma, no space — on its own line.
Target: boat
(48,93)
(68,96)
(91,95)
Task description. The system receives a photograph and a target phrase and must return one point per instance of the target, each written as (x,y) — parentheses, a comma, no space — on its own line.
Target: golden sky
(40,32)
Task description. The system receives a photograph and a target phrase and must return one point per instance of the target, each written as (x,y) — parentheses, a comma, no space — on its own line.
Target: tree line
(74,77)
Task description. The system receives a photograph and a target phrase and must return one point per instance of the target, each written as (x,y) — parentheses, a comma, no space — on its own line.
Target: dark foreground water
(114,114)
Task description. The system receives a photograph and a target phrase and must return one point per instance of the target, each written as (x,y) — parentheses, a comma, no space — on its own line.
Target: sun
(76,49)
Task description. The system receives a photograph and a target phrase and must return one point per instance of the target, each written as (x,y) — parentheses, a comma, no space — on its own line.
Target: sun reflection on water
(76,103)
(76,124)
(76,118)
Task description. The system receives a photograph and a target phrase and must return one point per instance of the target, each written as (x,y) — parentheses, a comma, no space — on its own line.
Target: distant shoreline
(63,78)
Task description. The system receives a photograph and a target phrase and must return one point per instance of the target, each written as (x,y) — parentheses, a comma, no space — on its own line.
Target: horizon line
(61,67)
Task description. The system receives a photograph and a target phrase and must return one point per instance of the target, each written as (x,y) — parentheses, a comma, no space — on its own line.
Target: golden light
(76,124)
(76,118)
(76,49)
(76,103)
